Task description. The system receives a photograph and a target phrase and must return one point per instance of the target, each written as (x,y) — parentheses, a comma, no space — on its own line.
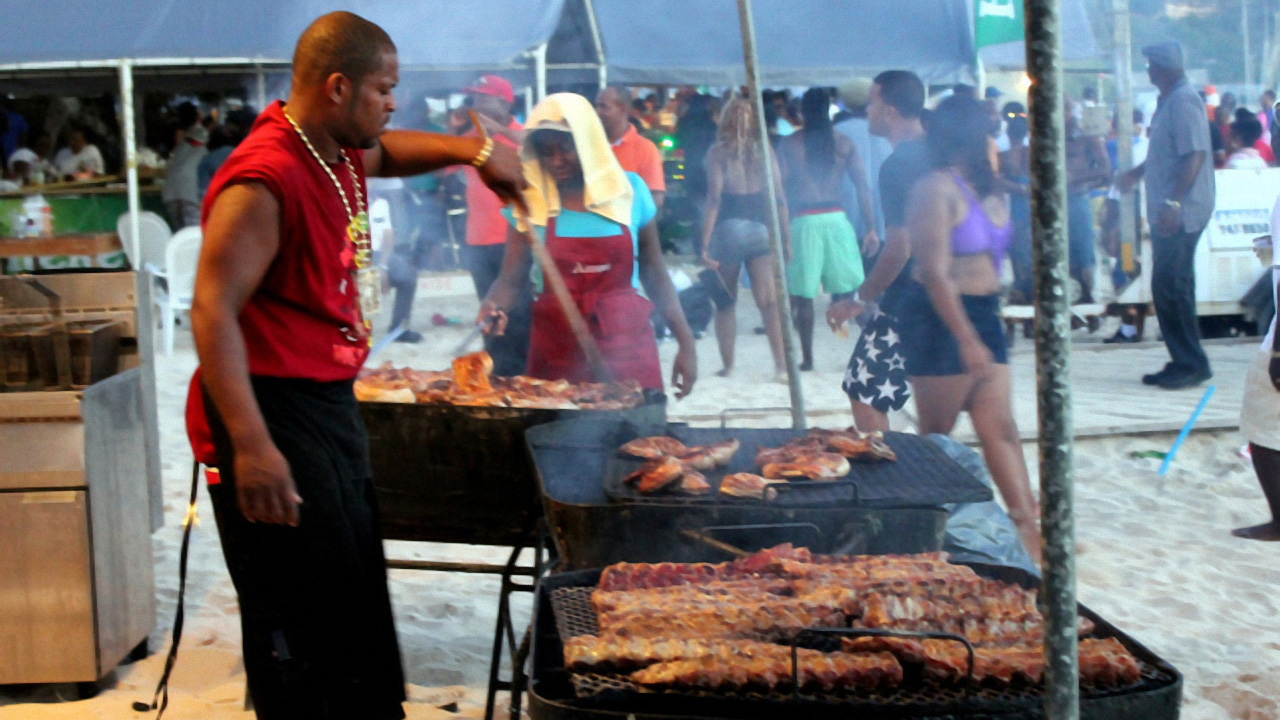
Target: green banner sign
(996,22)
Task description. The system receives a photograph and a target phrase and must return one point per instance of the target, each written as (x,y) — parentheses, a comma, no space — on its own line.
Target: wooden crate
(85,297)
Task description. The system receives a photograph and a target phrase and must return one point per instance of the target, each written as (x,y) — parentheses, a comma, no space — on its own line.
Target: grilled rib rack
(563,609)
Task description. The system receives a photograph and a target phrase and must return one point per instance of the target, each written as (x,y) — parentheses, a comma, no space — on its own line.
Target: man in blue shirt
(1180,198)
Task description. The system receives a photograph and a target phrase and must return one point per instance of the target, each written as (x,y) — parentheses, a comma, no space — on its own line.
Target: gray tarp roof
(441,33)
(805,42)
(454,40)
(446,43)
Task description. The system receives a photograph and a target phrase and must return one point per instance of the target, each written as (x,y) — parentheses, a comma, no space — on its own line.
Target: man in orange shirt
(491,97)
(635,152)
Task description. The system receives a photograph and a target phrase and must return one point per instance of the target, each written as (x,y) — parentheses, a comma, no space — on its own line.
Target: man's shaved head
(339,42)
(617,94)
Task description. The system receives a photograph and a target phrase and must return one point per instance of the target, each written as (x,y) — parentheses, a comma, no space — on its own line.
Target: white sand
(1155,558)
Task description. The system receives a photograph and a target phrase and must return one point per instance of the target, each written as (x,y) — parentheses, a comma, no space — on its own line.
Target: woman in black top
(733,227)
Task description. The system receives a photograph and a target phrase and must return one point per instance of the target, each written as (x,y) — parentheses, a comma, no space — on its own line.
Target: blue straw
(1186,429)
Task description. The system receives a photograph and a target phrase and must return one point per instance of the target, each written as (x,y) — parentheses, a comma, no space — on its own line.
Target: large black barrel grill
(596,519)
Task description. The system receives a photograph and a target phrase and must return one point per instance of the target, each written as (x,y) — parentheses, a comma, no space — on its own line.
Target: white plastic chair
(153,234)
(181,257)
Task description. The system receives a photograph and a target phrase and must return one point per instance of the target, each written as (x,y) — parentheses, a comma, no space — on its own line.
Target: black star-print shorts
(877,372)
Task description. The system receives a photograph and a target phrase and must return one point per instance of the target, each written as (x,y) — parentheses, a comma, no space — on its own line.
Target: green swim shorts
(824,251)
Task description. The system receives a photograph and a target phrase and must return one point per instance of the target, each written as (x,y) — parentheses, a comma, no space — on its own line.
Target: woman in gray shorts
(733,227)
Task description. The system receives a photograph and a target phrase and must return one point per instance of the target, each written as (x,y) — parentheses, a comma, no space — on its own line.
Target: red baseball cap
(493,85)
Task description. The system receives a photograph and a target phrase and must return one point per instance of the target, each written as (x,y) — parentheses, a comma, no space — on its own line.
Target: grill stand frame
(515,578)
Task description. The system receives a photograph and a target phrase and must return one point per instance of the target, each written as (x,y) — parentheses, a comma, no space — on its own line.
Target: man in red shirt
(491,97)
(284,288)
(635,152)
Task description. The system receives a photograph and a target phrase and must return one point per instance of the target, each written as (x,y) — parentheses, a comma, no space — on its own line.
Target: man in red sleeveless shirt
(283,289)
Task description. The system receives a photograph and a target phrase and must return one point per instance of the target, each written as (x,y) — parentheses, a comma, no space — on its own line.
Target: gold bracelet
(482,157)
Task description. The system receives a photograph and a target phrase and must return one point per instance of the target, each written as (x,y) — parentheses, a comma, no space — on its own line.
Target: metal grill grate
(575,616)
(923,475)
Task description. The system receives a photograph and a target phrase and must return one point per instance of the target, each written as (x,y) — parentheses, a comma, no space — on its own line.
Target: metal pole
(752,66)
(1048,223)
(1244,41)
(145,323)
(1123,49)
(261,90)
(598,41)
(540,72)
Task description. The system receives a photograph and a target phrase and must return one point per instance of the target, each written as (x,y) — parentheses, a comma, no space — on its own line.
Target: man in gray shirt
(1180,199)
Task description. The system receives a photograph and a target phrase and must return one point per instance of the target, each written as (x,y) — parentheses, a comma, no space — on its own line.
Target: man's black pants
(319,637)
(1173,289)
(510,352)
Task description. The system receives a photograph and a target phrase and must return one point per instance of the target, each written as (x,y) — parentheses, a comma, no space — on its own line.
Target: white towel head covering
(606,190)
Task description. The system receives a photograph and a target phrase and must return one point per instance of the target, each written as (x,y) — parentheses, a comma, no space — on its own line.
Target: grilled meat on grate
(772,618)
(770,666)
(470,382)
(776,593)
(812,465)
(1102,662)
(653,448)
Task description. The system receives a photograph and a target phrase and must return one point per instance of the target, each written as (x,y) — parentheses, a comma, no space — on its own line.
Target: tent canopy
(444,44)
(806,42)
(434,33)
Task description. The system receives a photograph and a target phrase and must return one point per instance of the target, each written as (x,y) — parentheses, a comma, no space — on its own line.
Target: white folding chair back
(181,257)
(153,236)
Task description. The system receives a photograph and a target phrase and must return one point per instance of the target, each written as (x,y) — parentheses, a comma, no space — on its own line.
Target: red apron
(598,273)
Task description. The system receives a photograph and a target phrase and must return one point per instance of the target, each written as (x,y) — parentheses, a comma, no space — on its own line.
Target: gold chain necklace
(358,222)
(367,277)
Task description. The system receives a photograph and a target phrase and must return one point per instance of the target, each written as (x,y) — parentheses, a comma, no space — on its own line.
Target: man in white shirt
(80,160)
(181,192)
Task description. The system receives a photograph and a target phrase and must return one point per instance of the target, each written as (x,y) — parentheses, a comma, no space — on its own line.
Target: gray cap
(1167,55)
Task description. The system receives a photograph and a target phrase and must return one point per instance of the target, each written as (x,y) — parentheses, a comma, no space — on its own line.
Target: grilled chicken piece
(471,373)
(855,445)
(693,482)
(706,457)
(815,466)
(746,485)
(657,474)
(757,665)
(652,448)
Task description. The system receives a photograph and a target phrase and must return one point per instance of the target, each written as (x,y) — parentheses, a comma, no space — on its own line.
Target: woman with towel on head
(597,224)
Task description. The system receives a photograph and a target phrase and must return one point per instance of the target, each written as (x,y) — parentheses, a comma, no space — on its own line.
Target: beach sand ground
(1154,553)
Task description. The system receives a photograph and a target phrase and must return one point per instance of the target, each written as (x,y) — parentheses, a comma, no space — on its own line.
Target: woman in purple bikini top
(977,234)
(957,355)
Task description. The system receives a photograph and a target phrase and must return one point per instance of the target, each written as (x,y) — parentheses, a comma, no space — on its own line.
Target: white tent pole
(130,156)
(262,89)
(1124,117)
(590,7)
(540,72)
(145,325)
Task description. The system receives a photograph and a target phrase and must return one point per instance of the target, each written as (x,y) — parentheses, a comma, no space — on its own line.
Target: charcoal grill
(562,609)
(574,458)
(461,474)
